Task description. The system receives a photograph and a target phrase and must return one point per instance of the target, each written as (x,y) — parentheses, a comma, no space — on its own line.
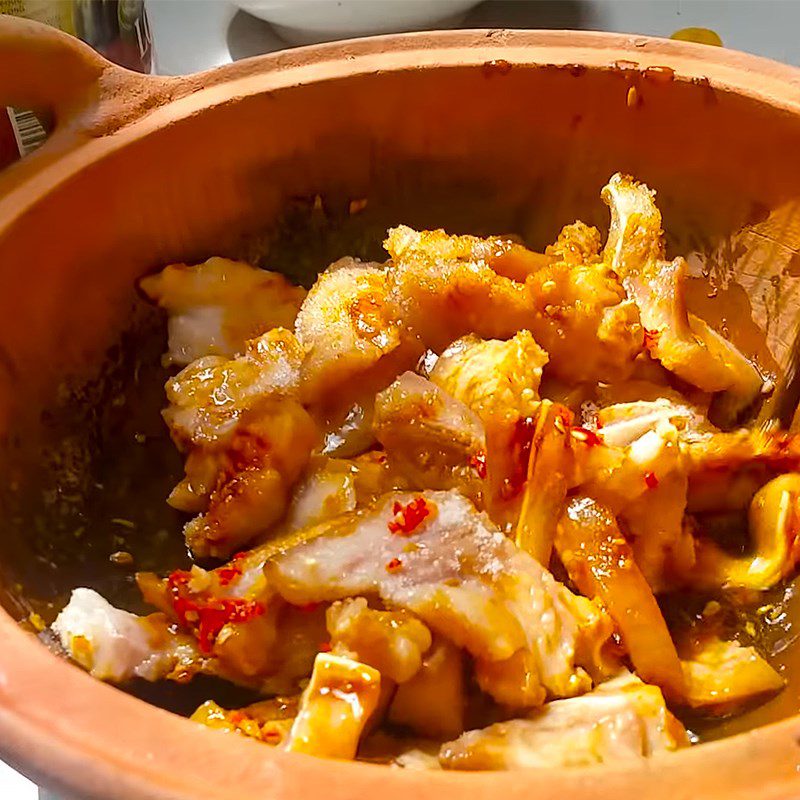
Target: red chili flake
(308,608)
(237,717)
(586,435)
(408,518)
(207,615)
(271,735)
(240,555)
(394,565)
(651,479)
(228,573)
(651,337)
(478,462)
(324,647)
(218,613)
(521,442)
(178,578)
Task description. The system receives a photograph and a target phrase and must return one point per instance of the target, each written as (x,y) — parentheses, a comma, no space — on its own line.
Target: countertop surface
(192,35)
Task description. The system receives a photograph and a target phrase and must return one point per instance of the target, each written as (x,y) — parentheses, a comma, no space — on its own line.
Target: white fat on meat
(216,306)
(326,490)
(208,398)
(429,435)
(351,334)
(621,720)
(115,645)
(623,423)
(456,571)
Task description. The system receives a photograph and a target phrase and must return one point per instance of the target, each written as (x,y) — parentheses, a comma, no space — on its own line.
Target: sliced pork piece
(393,642)
(577,243)
(208,398)
(445,287)
(348,431)
(352,335)
(448,286)
(236,619)
(499,381)
(375,476)
(621,720)
(217,404)
(115,645)
(720,676)
(429,436)
(215,307)
(327,489)
(495,378)
(247,441)
(268,647)
(332,488)
(436,556)
(517,262)
(256,470)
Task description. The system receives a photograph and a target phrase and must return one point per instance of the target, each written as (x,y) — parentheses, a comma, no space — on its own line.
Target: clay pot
(478,130)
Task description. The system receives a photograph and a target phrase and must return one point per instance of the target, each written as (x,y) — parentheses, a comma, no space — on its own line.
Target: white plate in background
(190,35)
(304,21)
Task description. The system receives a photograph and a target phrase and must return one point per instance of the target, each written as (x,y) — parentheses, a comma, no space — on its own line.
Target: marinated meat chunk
(621,720)
(351,333)
(217,306)
(433,554)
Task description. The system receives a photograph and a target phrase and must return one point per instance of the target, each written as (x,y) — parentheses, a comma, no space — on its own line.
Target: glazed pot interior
(277,174)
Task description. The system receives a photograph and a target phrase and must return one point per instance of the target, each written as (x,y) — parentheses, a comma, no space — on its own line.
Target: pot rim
(81,736)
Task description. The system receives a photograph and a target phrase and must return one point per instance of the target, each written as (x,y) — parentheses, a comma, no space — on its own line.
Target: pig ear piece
(682,342)
(635,235)
(329,721)
(775,550)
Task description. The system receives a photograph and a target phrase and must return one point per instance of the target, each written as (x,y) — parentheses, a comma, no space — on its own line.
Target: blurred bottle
(117,29)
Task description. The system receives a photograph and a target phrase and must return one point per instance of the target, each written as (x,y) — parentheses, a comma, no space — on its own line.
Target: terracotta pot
(500,130)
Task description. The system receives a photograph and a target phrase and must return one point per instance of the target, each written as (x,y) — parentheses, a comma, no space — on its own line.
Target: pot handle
(45,70)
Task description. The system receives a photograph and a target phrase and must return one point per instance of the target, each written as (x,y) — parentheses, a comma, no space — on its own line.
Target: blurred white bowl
(305,21)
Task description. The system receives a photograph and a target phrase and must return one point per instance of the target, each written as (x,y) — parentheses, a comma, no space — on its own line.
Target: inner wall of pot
(294,179)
